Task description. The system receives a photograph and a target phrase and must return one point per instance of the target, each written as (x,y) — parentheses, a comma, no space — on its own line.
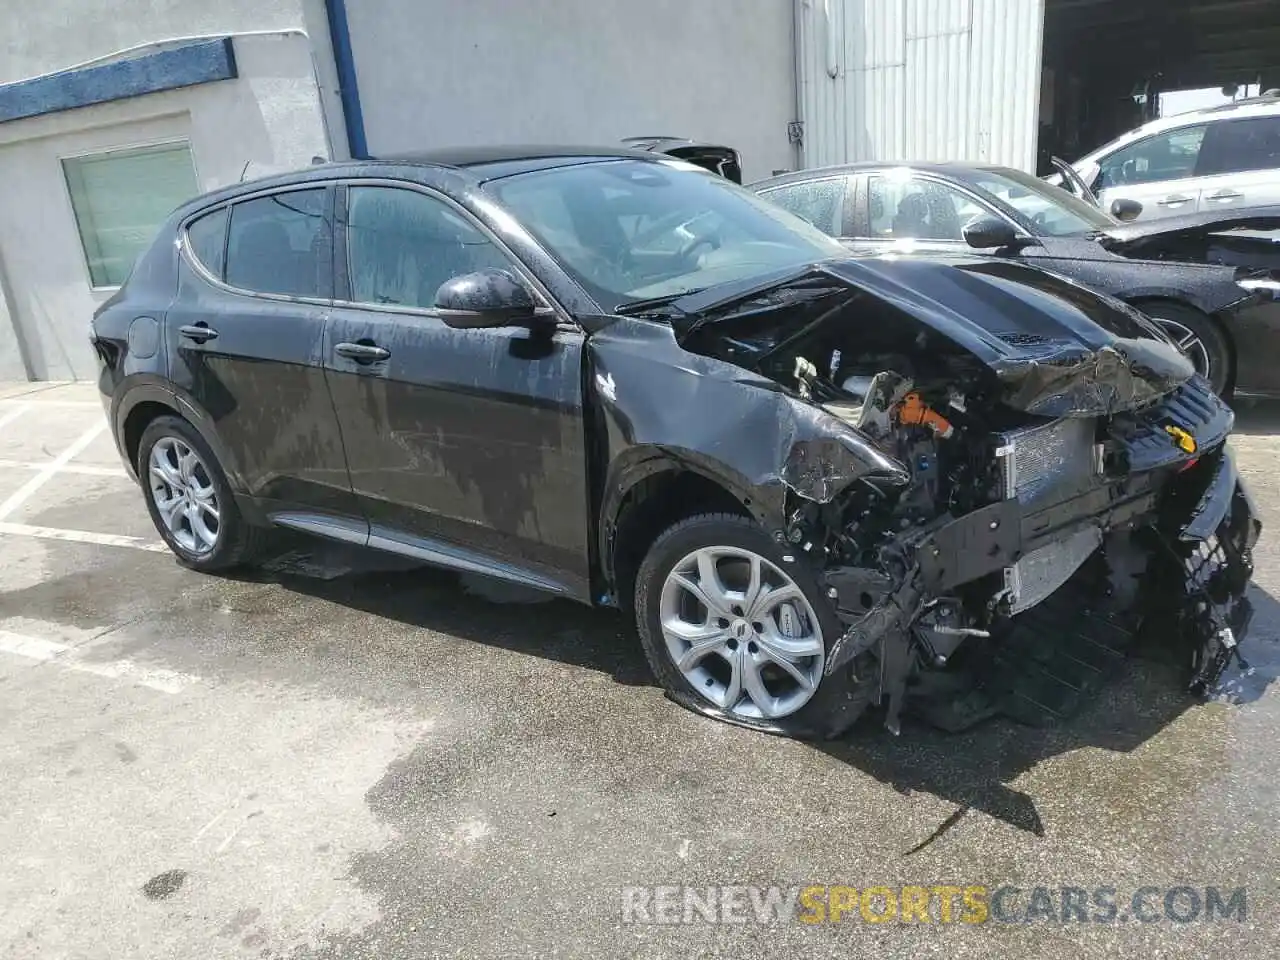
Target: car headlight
(1262,285)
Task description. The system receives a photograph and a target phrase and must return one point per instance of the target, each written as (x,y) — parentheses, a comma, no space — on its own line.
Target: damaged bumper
(1119,547)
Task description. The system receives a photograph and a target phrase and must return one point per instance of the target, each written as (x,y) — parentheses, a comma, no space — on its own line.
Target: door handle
(199,332)
(1225,195)
(362,352)
(1173,201)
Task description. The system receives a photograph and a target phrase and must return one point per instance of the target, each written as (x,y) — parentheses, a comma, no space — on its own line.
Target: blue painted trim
(199,61)
(348,88)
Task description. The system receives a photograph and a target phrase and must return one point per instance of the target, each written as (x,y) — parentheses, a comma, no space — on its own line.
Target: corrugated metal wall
(919,80)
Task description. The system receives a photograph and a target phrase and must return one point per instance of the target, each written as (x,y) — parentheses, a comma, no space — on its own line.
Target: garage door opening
(1109,65)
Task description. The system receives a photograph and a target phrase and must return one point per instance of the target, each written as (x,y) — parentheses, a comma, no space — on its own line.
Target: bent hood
(1057,348)
(1131,236)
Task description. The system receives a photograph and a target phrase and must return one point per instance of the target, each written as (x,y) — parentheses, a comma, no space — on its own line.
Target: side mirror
(487,298)
(1125,210)
(986,232)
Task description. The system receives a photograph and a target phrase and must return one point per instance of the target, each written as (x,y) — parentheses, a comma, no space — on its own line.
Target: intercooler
(1035,461)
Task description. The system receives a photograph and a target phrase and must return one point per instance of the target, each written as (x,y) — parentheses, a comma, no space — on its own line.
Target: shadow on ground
(972,769)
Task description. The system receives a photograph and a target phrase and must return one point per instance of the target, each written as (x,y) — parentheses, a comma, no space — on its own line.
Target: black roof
(505,160)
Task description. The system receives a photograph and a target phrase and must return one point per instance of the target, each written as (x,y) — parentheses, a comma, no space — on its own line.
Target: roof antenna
(245,170)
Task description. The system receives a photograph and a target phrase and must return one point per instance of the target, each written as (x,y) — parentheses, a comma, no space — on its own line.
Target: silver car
(1198,162)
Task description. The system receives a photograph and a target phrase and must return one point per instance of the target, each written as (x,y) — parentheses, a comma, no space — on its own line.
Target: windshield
(1053,211)
(633,230)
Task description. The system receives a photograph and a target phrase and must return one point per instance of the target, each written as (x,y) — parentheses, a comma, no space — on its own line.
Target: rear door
(827,203)
(245,334)
(465,446)
(1239,164)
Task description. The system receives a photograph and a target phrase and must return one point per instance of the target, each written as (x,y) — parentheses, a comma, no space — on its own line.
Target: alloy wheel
(741,632)
(184,495)
(1189,343)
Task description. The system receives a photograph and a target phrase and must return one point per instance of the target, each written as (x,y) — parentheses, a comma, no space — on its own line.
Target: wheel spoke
(765,702)
(170,510)
(781,647)
(1186,342)
(773,597)
(699,651)
(733,689)
(751,596)
(713,604)
(709,578)
(204,537)
(186,465)
(162,467)
(798,675)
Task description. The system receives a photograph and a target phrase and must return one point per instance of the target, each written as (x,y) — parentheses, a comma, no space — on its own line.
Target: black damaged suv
(817,482)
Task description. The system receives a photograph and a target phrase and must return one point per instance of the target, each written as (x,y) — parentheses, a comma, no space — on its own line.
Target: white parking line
(81,469)
(13,414)
(47,473)
(81,536)
(62,655)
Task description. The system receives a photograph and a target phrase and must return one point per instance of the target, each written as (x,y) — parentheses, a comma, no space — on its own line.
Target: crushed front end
(1061,491)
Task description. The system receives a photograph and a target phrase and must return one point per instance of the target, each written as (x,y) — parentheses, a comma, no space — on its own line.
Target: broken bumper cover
(1201,526)
(1215,549)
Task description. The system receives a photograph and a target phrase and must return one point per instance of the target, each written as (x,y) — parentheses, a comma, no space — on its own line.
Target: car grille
(1193,407)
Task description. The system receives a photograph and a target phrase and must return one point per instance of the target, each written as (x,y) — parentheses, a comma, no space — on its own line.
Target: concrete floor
(398,763)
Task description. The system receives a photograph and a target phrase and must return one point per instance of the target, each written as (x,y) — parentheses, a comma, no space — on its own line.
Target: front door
(245,334)
(1159,172)
(463,445)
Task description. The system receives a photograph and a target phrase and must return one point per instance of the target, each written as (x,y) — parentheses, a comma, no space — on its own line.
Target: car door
(825,202)
(1158,172)
(244,335)
(465,446)
(900,210)
(1239,164)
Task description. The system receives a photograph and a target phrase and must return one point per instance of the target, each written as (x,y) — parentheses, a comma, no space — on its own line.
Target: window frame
(185,248)
(975,196)
(847,201)
(96,154)
(1096,186)
(342,267)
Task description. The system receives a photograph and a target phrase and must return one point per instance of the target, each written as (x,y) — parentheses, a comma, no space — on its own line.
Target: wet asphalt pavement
(393,762)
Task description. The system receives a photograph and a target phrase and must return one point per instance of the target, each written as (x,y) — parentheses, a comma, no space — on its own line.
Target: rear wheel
(189,499)
(736,627)
(1199,337)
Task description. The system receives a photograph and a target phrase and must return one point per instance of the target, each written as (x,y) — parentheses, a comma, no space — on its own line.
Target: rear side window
(207,238)
(821,202)
(1233,146)
(281,244)
(402,245)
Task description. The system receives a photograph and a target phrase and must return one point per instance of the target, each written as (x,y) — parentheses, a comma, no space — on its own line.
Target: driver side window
(1165,156)
(917,209)
(402,245)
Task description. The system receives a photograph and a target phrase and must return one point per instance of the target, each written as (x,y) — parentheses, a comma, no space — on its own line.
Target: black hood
(1057,348)
(1131,236)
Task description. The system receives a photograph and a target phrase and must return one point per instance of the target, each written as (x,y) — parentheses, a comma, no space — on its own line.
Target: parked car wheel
(189,498)
(1198,337)
(736,627)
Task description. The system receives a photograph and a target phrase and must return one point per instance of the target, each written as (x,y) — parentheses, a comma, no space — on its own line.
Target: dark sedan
(810,478)
(1226,318)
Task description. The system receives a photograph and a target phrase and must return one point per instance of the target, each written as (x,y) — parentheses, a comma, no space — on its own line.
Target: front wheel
(1197,336)
(189,499)
(736,626)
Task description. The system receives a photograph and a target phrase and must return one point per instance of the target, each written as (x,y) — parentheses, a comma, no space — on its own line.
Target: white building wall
(268,118)
(919,80)
(435,73)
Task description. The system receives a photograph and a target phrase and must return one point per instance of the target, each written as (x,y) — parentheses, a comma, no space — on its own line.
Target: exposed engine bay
(1048,498)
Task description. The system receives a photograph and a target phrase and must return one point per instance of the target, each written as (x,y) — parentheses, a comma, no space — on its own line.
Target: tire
(1200,338)
(808,628)
(201,486)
